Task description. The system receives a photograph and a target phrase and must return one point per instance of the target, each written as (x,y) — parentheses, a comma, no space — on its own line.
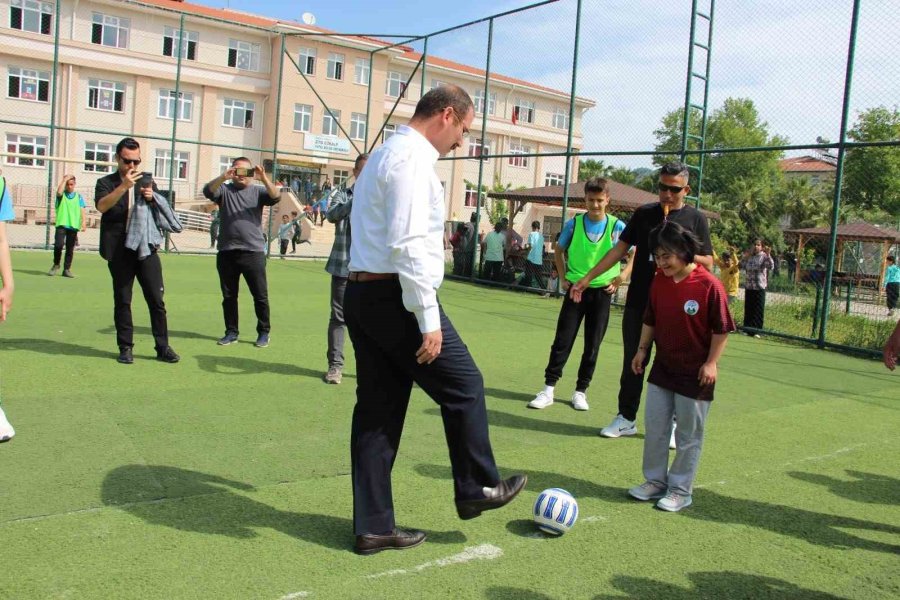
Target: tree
(589,168)
(805,204)
(872,174)
(623,175)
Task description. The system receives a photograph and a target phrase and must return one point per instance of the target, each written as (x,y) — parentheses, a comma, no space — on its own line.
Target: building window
(188,45)
(238,113)
(335,68)
(303,117)
(98,151)
(361,74)
(554,179)
(436,83)
(395,86)
(106,95)
(357,126)
(25,144)
(477,147)
(330,122)
(471,195)
(479,102)
(561,119)
(523,111)
(167,105)
(28,15)
(308,61)
(243,55)
(225,163)
(110,31)
(340,177)
(389,131)
(164,162)
(519,161)
(26,84)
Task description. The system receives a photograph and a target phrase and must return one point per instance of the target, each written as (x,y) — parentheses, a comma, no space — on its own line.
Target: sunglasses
(134,161)
(675,189)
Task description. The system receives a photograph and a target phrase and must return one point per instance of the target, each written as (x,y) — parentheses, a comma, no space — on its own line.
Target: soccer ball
(555,511)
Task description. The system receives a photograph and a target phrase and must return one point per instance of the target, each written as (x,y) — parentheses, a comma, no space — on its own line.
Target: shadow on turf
(55,348)
(498,418)
(709,584)
(234,365)
(205,503)
(511,593)
(143,330)
(865,487)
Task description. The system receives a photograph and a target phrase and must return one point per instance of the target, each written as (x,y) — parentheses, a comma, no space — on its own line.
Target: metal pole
(839,175)
(686,117)
(275,139)
(424,65)
(565,199)
(369,96)
(51,140)
(473,258)
(176,108)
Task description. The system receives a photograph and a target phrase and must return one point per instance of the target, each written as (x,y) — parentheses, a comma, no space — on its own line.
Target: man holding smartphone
(241,243)
(114,199)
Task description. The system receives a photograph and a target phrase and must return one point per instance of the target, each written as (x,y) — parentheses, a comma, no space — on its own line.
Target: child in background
(730,274)
(892,284)
(285,233)
(687,318)
(552,282)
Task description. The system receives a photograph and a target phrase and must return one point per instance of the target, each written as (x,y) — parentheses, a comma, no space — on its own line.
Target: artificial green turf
(226,475)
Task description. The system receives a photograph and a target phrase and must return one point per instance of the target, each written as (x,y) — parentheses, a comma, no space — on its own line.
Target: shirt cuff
(429,319)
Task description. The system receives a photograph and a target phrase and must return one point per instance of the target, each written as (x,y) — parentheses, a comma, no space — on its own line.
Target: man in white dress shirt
(400,333)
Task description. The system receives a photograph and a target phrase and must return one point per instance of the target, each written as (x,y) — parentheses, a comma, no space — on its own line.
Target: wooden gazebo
(850,232)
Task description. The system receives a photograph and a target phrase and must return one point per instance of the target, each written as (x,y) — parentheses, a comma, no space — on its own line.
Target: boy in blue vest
(583,242)
(70,220)
(6,283)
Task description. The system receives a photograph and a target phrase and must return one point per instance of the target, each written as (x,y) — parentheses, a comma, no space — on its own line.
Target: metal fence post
(476,248)
(565,199)
(51,193)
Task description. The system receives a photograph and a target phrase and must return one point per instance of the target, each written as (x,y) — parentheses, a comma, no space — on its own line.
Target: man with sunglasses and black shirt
(114,198)
(673,187)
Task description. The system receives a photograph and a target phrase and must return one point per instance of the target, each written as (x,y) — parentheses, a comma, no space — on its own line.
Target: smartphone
(146,180)
(243,172)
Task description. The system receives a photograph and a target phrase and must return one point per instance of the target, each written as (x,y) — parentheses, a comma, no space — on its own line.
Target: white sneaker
(6,430)
(672,445)
(620,426)
(542,400)
(673,502)
(647,491)
(579,401)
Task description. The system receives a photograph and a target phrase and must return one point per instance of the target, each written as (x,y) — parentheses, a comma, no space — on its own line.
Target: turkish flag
(515,115)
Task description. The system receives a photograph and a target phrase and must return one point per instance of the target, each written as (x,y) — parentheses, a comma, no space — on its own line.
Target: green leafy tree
(623,175)
(804,203)
(872,174)
(589,167)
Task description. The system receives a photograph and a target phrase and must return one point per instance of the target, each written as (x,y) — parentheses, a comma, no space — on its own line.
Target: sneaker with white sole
(579,401)
(620,426)
(672,445)
(673,502)
(6,430)
(648,491)
(542,400)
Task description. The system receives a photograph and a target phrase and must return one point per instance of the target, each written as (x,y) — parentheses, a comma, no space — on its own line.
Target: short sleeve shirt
(6,207)
(685,315)
(536,254)
(637,234)
(493,246)
(240,215)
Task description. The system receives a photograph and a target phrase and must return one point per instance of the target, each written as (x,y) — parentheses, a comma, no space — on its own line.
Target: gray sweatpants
(659,409)
(335,353)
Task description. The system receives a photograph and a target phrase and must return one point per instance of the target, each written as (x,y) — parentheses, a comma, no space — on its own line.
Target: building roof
(806,164)
(225,14)
(852,231)
(622,198)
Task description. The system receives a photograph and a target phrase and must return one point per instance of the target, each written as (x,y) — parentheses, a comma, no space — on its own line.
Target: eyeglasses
(675,189)
(465,130)
(133,161)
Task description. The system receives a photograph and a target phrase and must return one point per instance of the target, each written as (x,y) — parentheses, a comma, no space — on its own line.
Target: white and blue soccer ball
(555,511)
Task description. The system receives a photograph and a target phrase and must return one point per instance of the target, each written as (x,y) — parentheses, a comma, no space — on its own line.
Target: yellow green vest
(585,254)
(68,211)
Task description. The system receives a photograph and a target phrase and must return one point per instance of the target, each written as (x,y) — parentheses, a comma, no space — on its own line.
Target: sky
(788,57)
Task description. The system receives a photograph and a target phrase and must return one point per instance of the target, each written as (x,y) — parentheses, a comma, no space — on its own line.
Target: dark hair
(127,143)
(473,217)
(241,158)
(498,227)
(293,212)
(440,98)
(674,238)
(362,157)
(596,185)
(726,255)
(535,224)
(460,227)
(891,258)
(675,168)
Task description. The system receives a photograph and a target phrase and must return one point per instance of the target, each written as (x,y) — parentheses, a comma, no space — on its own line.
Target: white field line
(295,595)
(481,552)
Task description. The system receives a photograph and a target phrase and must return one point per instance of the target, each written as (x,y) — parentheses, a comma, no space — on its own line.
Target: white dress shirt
(398,221)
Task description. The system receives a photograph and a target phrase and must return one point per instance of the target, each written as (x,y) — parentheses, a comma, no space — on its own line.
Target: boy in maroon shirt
(687,318)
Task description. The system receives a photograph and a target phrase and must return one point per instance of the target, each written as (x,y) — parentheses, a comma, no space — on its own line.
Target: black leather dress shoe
(167,355)
(125,356)
(508,489)
(397,540)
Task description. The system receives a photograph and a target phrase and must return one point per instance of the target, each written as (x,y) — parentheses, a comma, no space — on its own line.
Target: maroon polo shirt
(685,316)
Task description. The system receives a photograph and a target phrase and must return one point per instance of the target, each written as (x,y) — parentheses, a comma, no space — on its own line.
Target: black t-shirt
(112,223)
(637,233)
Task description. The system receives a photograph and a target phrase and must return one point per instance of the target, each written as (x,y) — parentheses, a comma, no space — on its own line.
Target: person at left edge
(116,196)
(400,333)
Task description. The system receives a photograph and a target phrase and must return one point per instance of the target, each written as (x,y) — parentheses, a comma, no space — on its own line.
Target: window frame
(307,116)
(551,179)
(309,65)
(389,128)
(357,126)
(106,154)
(560,119)
(400,80)
(162,156)
(44,15)
(519,162)
(477,147)
(186,100)
(340,177)
(245,106)
(189,51)
(334,68)
(31,75)
(105,21)
(100,85)
(478,99)
(470,197)
(361,66)
(527,106)
(329,117)
(15,146)
(237,47)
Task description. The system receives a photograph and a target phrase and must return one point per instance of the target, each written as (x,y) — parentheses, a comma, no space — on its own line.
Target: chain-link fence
(786,114)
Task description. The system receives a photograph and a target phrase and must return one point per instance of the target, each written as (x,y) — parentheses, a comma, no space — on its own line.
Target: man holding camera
(241,243)
(114,199)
